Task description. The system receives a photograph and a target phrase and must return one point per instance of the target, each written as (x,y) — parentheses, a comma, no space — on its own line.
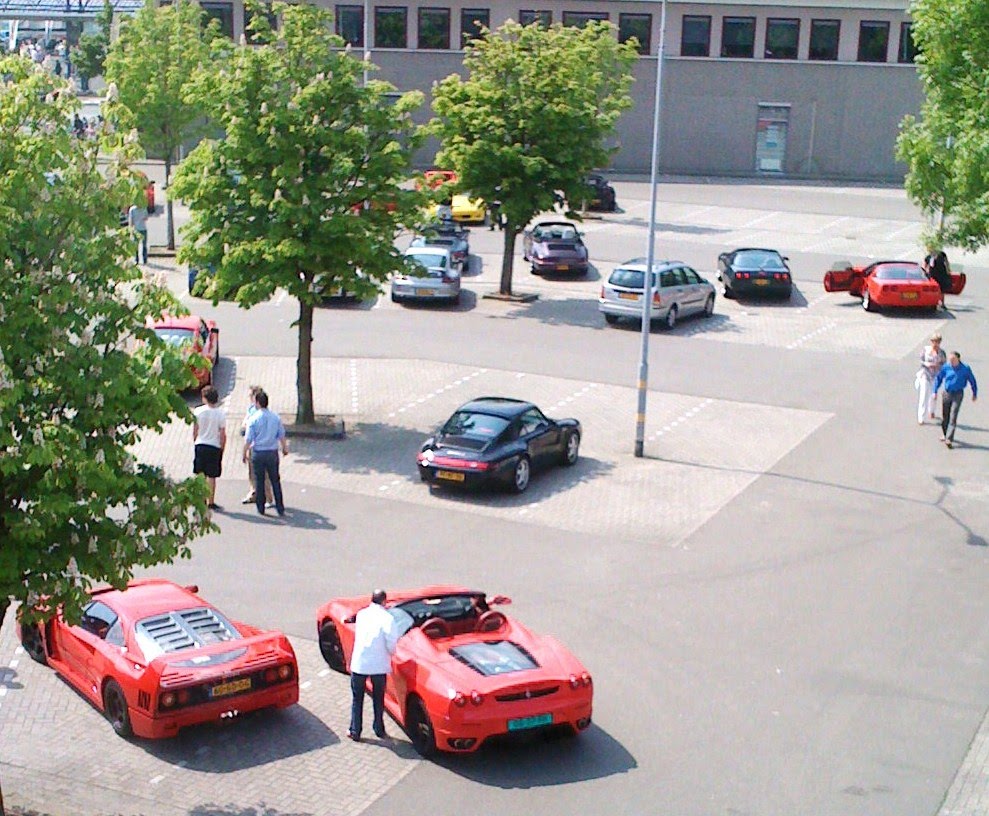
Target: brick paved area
(59,756)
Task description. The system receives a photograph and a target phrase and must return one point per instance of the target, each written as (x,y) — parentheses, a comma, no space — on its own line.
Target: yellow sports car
(468,210)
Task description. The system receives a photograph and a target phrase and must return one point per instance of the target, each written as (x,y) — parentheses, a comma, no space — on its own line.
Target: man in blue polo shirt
(955,375)
(265,434)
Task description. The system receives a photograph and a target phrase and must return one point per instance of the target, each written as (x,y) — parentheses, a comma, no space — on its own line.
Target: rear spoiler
(278,649)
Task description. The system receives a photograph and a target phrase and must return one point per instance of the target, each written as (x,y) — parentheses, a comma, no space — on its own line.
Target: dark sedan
(496,441)
(754,272)
(554,246)
(602,194)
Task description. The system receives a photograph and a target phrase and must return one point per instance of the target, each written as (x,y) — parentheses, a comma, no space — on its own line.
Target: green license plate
(521,723)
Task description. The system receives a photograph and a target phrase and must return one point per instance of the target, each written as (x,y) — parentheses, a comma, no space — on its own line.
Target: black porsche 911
(496,441)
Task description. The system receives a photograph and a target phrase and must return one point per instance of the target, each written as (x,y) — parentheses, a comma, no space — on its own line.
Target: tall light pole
(647,288)
(367,38)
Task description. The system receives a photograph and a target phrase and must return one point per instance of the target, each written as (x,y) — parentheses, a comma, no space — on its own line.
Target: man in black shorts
(209,433)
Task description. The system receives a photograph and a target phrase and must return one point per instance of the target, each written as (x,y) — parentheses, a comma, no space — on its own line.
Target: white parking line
(353,386)
(680,420)
(761,219)
(156,779)
(811,335)
(831,225)
(420,400)
(322,672)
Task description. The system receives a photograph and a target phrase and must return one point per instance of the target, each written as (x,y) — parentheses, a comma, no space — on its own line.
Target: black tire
(455,300)
(611,319)
(521,474)
(729,294)
(34,643)
(571,450)
(420,729)
(709,306)
(331,648)
(533,270)
(115,709)
(671,317)
(867,303)
(393,298)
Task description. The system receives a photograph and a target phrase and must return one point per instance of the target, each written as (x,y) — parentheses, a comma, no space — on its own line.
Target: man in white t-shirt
(375,637)
(209,434)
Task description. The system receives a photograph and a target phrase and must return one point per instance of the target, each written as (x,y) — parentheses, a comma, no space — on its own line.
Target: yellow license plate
(562,267)
(909,295)
(761,282)
(424,292)
(628,296)
(225,689)
(450,475)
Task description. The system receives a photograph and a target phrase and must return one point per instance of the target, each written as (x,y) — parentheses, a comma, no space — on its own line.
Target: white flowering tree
(80,374)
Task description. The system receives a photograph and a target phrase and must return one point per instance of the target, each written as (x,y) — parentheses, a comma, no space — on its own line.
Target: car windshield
(472,425)
(629,278)
(494,657)
(182,630)
(428,260)
(450,608)
(759,259)
(899,272)
(436,240)
(176,336)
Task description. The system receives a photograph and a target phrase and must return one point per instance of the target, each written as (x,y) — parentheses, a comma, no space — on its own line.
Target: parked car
(602,194)
(428,275)
(882,284)
(448,235)
(754,272)
(195,337)
(554,246)
(463,672)
(156,658)
(496,441)
(678,291)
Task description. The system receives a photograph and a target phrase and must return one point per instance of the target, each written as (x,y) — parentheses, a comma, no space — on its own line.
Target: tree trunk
(304,414)
(508,259)
(169,220)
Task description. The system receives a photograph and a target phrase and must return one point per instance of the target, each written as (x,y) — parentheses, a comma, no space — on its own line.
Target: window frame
(441,11)
(829,22)
(466,35)
(645,46)
(696,18)
(224,7)
(389,11)
(349,7)
(542,16)
(733,18)
(87,616)
(906,36)
(794,22)
(877,25)
(586,16)
(249,36)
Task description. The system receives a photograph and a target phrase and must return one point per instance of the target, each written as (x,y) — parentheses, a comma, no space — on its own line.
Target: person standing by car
(149,196)
(137,220)
(939,270)
(265,434)
(252,410)
(209,435)
(375,637)
(932,360)
(955,375)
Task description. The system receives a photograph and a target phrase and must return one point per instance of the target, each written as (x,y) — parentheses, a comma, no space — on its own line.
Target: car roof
(173,322)
(639,265)
(148,596)
(497,406)
(554,224)
(754,249)
(429,249)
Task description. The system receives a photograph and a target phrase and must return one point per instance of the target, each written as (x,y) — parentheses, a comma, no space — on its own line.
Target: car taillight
(574,681)
(183,697)
(585,679)
(742,275)
(285,672)
(451,461)
(270,675)
(458,699)
(602,291)
(476,698)
(167,700)
(655,299)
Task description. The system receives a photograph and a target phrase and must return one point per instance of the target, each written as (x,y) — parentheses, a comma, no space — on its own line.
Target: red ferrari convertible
(463,672)
(888,284)
(156,657)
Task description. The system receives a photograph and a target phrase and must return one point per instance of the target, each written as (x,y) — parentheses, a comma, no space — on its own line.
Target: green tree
(947,149)
(304,192)
(151,62)
(76,509)
(90,53)
(532,117)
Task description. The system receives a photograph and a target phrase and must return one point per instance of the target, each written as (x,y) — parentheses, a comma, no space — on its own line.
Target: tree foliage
(304,191)
(151,63)
(90,54)
(75,507)
(532,117)
(947,149)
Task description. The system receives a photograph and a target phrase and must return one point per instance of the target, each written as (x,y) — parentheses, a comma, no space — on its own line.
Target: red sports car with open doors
(195,336)
(155,658)
(463,672)
(890,284)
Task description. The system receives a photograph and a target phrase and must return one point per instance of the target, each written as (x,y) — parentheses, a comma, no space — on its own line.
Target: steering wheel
(436,628)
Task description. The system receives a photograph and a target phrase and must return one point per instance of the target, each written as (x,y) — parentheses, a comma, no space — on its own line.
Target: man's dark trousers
(357,682)
(266,463)
(951,402)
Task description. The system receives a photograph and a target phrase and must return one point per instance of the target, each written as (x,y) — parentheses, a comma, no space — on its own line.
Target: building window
(738,37)
(471,23)
(908,48)
(873,41)
(350,24)
(695,37)
(824,39)
(223,13)
(390,24)
(638,26)
(249,17)
(434,28)
(782,37)
(579,19)
(528,17)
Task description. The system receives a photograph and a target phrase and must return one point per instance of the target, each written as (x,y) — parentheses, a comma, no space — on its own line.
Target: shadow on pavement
(303,519)
(239,810)
(592,274)
(467,303)
(796,300)
(540,761)
(249,742)
(683,229)
(558,312)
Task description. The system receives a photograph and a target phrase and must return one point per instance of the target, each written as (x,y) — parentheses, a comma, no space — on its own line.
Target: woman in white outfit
(931,361)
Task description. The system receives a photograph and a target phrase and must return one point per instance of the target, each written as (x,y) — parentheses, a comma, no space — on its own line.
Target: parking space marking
(439,391)
(680,420)
(811,335)
(354,402)
(574,396)
(156,779)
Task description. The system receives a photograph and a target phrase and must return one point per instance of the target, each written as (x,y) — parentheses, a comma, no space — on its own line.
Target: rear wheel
(115,709)
(867,303)
(420,728)
(611,319)
(671,317)
(331,648)
(571,449)
(709,306)
(521,474)
(33,643)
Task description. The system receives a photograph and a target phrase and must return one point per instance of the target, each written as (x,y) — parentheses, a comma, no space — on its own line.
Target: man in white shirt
(137,220)
(209,435)
(375,637)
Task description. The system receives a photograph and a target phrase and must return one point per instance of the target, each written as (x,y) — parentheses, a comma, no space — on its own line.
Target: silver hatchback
(678,291)
(428,275)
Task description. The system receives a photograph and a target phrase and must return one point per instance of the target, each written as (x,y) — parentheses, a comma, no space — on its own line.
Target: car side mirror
(785,258)
(193,588)
(214,330)
(500,600)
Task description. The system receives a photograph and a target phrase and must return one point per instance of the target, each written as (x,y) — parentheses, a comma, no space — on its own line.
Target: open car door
(957,283)
(843,277)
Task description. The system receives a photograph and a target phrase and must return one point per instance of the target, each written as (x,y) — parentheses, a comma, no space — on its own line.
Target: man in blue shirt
(265,434)
(955,375)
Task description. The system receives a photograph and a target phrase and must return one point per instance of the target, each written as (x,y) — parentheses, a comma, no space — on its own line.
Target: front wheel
(671,317)
(33,643)
(420,729)
(611,319)
(331,648)
(521,474)
(115,709)
(571,449)
(709,306)
(867,303)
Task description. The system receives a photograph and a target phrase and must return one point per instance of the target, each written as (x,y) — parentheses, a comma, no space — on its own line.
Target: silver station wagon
(678,291)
